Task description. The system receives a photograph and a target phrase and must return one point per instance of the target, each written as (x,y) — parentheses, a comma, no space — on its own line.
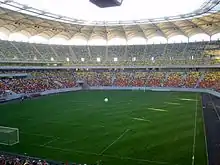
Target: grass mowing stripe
(58,122)
(46,136)
(194,134)
(105,149)
(214,107)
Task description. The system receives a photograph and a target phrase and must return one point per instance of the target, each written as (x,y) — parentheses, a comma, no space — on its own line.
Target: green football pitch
(132,128)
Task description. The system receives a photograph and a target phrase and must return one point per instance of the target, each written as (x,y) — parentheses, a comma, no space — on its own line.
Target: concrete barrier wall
(14,96)
(161,89)
(54,91)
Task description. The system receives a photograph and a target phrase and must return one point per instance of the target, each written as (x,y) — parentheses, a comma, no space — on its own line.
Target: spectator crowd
(41,80)
(9,159)
(31,81)
(35,81)
(13,159)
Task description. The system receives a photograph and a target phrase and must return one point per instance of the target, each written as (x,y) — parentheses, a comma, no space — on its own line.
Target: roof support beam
(210,22)
(178,28)
(197,26)
(106,34)
(106,49)
(124,33)
(91,33)
(20,28)
(159,29)
(54,34)
(39,32)
(142,31)
(72,35)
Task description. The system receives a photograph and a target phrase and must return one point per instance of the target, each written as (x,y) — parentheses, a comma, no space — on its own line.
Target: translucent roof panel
(129,10)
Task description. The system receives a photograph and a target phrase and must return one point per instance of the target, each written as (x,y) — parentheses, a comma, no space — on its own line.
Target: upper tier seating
(196,53)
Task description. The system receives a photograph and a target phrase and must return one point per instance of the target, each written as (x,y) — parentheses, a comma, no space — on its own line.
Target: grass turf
(133,128)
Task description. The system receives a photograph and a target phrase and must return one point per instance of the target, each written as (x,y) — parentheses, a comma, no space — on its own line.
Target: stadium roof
(18,18)
(129,10)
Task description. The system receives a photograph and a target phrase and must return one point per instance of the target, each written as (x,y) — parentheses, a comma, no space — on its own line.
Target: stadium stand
(6,159)
(14,159)
(194,53)
(174,80)
(41,80)
(191,79)
(37,81)
(151,65)
(210,80)
(33,81)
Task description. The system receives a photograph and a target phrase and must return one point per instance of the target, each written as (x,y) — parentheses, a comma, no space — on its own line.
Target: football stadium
(83,82)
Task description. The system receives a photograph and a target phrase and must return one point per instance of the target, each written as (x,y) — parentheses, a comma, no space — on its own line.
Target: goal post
(9,136)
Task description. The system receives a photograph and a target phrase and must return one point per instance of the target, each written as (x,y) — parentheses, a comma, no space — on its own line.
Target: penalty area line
(35,134)
(104,155)
(105,149)
(51,141)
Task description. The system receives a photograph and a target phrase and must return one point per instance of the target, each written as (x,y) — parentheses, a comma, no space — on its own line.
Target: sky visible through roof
(130,9)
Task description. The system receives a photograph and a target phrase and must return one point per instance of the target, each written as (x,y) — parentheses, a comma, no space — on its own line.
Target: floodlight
(98,59)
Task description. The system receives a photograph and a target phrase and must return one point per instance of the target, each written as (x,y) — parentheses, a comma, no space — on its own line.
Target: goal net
(9,136)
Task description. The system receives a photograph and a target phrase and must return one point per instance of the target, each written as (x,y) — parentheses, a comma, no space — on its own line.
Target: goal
(9,136)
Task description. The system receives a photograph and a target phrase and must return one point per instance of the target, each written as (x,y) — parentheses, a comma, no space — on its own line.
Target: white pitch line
(105,155)
(157,109)
(141,160)
(105,149)
(216,111)
(35,134)
(204,128)
(70,150)
(186,99)
(194,134)
(140,119)
(53,140)
(172,103)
